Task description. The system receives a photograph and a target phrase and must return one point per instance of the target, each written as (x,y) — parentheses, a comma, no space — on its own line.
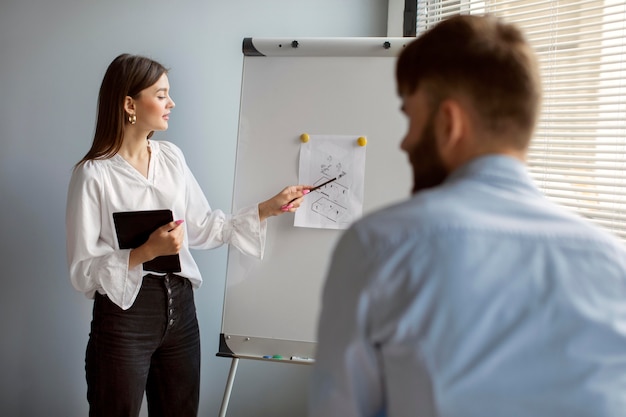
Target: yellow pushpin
(304,137)
(362,141)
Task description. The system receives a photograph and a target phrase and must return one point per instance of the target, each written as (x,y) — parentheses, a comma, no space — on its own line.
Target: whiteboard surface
(271,306)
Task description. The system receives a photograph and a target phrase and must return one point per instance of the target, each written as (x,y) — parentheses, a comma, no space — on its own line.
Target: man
(477,297)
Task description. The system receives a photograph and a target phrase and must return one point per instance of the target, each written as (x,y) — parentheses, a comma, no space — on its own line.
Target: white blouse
(99,188)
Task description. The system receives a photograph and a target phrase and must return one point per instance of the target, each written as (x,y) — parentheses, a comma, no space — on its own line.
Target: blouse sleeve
(209,228)
(94,264)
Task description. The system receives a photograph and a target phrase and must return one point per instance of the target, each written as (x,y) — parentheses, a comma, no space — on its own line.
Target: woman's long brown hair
(126,76)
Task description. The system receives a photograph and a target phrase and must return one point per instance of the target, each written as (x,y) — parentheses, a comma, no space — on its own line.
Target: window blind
(578,153)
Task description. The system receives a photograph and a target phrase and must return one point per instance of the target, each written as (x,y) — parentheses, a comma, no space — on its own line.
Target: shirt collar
(495,165)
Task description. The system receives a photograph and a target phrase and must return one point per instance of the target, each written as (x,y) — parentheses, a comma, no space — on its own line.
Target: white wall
(53,54)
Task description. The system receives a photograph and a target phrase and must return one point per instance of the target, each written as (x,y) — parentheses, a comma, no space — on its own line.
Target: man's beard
(428,168)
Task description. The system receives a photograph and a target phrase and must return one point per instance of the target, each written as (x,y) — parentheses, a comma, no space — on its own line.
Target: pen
(286,206)
(322,184)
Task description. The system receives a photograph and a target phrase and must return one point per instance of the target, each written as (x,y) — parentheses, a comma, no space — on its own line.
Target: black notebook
(133,229)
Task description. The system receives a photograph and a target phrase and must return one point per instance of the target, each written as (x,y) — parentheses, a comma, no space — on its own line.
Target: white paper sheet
(339,203)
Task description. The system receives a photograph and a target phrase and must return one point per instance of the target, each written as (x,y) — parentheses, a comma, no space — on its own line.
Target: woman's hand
(166,240)
(288,200)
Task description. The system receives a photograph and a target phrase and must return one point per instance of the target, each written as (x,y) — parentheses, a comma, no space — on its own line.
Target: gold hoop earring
(132,119)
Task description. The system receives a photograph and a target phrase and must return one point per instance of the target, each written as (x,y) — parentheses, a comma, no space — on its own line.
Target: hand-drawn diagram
(333,201)
(337,204)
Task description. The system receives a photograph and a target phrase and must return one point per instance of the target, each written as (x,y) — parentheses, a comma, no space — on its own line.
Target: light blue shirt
(478,298)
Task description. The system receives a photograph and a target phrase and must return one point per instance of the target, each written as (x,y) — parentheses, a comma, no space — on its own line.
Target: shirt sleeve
(346,377)
(95,265)
(208,229)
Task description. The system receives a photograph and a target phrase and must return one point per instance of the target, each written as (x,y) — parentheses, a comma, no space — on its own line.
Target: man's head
(470,86)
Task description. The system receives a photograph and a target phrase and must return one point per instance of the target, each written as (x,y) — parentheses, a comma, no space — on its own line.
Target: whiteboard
(318,86)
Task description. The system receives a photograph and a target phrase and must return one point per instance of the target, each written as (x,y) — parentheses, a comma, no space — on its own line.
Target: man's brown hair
(483,59)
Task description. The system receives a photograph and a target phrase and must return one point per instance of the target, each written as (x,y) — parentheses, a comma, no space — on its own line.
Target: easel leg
(229,387)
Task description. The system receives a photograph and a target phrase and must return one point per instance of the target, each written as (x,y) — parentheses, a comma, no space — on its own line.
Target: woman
(144,333)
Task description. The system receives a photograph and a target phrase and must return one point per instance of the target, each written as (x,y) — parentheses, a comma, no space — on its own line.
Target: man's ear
(129,105)
(451,128)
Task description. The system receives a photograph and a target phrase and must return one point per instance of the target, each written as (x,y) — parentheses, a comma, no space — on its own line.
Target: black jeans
(154,346)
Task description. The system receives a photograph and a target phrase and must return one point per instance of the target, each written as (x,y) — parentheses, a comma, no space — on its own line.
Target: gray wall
(53,54)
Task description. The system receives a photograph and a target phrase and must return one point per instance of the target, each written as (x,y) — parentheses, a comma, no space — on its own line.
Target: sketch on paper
(337,204)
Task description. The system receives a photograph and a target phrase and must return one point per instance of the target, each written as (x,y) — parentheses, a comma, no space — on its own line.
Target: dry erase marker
(302,358)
